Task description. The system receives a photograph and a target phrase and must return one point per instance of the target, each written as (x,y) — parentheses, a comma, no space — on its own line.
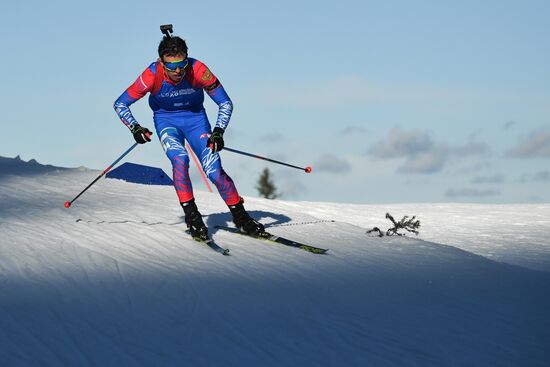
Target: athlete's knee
(179,160)
(172,143)
(214,176)
(177,155)
(220,179)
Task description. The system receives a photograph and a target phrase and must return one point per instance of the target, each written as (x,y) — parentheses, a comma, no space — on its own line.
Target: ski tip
(314,250)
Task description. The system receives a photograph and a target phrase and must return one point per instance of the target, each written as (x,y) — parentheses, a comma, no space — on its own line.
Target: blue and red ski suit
(179,115)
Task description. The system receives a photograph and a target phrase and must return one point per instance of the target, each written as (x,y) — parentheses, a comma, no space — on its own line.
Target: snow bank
(114,281)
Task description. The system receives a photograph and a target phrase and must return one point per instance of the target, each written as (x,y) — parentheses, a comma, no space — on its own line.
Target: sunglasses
(173,66)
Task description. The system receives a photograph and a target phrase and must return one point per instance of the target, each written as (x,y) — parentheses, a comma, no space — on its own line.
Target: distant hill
(17,166)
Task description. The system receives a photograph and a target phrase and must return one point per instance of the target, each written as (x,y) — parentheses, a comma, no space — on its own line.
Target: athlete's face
(175,66)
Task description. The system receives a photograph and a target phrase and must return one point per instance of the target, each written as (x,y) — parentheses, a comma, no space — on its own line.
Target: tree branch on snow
(410,225)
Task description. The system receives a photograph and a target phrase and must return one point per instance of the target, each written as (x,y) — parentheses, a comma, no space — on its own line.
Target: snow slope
(114,281)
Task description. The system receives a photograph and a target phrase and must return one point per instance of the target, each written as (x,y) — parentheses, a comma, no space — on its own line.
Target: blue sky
(426,101)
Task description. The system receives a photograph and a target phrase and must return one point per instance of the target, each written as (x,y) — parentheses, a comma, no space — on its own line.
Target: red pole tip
(308,169)
(67,204)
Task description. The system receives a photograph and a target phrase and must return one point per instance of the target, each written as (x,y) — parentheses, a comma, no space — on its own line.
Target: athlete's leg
(172,141)
(211,162)
(212,166)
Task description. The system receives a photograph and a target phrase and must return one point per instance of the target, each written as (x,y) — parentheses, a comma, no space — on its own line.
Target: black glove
(141,134)
(215,141)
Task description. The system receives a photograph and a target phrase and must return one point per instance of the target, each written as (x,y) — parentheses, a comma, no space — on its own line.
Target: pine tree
(266,188)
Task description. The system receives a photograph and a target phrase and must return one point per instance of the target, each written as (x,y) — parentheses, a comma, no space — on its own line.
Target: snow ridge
(114,281)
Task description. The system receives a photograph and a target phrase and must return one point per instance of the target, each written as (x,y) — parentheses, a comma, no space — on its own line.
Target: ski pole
(192,154)
(306,169)
(68,203)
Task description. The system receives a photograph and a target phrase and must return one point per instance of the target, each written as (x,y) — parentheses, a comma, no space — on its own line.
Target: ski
(210,243)
(266,236)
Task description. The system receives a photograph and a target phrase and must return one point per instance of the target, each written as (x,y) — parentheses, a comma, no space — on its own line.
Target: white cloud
(471,148)
(537,144)
(353,130)
(422,153)
(273,137)
(428,162)
(542,176)
(508,124)
(401,143)
(495,179)
(332,164)
(471,193)
(353,90)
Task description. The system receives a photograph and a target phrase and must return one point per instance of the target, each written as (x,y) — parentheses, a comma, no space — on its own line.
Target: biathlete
(176,84)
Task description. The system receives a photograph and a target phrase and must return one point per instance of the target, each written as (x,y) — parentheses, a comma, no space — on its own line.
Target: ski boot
(193,219)
(244,222)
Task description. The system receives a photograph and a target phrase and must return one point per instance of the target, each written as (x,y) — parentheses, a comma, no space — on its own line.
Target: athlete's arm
(225,106)
(213,87)
(142,85)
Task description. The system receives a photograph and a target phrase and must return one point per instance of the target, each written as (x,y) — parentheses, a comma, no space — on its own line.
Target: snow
(115,281)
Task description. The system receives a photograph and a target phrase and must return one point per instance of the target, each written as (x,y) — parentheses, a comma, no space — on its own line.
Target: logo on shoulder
(207,76)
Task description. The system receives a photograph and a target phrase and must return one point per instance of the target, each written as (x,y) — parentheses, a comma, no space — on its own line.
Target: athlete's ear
(160,60)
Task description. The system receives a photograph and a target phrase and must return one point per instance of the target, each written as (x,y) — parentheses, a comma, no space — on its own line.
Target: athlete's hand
(215,141)
(141,134)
